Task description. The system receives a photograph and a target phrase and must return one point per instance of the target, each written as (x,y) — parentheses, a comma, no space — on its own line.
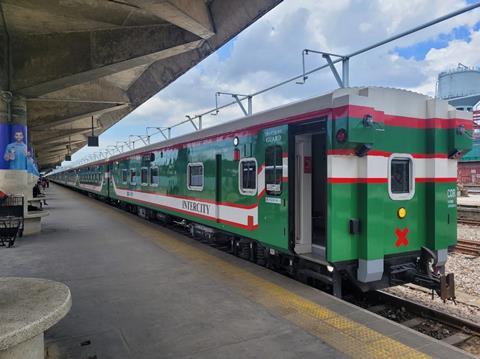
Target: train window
(401,182)
(195,176)
(144,176)
(248,176)
(124,176)
(133,177)
(273,170)
(154,178)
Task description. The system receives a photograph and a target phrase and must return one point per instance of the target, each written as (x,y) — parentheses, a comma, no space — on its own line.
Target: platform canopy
(74,59)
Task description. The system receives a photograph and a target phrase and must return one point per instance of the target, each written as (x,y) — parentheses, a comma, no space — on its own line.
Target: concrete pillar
(13,144)
(17,174)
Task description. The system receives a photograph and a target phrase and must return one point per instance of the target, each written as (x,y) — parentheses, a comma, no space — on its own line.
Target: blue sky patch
(226,50)
(476,27)
(420,50)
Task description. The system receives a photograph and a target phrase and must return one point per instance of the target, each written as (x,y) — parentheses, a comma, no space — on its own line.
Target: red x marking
(401,237)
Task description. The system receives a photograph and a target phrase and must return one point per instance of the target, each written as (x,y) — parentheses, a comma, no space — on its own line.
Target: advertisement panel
(13,148)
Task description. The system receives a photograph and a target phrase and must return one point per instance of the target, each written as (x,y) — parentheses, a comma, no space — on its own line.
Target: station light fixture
(92,141)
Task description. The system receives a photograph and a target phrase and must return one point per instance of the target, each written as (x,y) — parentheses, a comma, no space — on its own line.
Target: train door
(218,184)
(108,176)
(303,193)
(310,187)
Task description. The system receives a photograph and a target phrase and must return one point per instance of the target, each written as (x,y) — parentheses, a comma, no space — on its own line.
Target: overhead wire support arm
(141,138)
(129,145)
(160,130)
(197,127)
(238,100)
(115,148)
(342,81)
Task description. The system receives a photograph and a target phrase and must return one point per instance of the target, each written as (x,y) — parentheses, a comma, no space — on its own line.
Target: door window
(144,176)
(273,170)
(248,176)
(133,177)
(154,178)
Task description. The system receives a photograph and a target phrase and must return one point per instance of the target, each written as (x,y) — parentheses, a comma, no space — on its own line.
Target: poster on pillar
(13,148)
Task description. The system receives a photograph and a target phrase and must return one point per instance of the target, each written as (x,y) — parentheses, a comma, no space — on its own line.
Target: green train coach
(357,185)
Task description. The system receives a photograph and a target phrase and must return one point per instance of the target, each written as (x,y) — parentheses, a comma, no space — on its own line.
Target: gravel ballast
(467,280)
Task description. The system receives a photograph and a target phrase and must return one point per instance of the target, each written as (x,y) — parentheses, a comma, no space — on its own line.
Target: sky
(269,51)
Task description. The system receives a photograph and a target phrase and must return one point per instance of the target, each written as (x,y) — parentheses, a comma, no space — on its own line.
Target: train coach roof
(389,100)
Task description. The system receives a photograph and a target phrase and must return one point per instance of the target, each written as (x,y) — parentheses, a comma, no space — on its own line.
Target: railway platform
(143,291)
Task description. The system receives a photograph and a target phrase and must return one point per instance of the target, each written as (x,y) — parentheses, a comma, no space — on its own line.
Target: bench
(11,219)
(32,221)
(30,306)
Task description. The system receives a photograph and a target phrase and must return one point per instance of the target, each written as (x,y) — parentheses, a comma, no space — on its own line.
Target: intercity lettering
(196,207)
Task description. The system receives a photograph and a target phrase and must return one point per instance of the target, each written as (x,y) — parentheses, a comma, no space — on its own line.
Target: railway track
(469,221)
(468,247)
(448,328)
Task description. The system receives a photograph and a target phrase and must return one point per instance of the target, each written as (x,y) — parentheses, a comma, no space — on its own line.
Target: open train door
(309,187)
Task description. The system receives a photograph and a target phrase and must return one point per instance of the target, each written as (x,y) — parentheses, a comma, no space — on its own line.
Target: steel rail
(431,313)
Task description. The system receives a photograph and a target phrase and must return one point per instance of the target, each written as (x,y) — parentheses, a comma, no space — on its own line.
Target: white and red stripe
(374,169)
(92,187)
(236,215)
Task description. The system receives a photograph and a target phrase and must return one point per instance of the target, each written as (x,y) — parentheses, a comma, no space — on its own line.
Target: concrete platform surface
(143,291)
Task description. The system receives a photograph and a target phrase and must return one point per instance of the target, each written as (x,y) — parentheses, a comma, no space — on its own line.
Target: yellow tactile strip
(341,333)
